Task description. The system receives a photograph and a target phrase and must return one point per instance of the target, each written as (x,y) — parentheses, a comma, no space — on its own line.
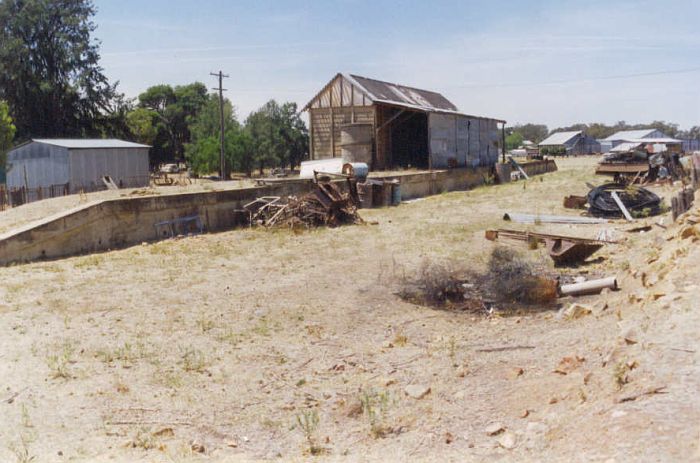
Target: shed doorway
(403,138)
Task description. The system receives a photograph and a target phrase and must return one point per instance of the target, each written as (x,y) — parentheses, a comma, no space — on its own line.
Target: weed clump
(508,279)
(436,284)
(514,279)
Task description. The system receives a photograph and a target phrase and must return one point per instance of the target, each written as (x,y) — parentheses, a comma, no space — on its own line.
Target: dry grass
(244,331)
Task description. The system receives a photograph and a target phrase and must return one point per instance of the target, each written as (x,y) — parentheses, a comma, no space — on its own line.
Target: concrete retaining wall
(423,184)
(117,223)
(122,222)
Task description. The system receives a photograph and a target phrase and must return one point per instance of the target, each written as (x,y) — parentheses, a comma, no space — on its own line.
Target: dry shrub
(514,279)
(435,284)
(509,279)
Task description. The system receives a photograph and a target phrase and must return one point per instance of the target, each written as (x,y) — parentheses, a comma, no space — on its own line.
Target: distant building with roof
(77,165)
(390,125)
(571,143)
(627,136)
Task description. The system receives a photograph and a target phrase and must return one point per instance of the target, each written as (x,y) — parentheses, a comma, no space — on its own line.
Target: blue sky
(555,62)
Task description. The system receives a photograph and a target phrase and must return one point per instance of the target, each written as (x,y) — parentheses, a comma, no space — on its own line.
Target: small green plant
(126,353)
(205,324)
(59,362)
(230,336)
(21,450)
(307,422)
(26,421)
(262,328)
(194,360)
(375,406)
(144,439)
(452,350)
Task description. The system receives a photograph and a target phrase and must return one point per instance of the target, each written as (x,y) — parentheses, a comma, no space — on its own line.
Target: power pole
(221,89)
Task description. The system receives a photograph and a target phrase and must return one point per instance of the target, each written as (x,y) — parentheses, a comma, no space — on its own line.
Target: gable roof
(385,92)
(378,91)
(559,138)
(630,134)
(86,143)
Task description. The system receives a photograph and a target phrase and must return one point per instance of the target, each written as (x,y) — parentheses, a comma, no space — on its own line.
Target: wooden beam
(352,103)
(395,116)
(332,125)
(622,207)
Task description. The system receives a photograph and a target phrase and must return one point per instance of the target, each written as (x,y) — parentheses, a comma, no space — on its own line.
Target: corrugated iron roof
(629,134)
(559,138)
(624,147)
(655,140)
(378,91)
(386,92)
(85,143)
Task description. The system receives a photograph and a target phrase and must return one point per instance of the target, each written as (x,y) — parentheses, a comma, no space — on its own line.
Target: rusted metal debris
(326,205)
(562,249)
(575,202)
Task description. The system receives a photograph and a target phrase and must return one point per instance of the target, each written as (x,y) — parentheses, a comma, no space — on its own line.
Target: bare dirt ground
(271,345)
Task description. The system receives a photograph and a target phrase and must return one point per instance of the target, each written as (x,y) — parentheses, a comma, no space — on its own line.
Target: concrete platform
(116,223)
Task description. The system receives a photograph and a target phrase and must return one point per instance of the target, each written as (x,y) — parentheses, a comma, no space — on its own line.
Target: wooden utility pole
(221,89)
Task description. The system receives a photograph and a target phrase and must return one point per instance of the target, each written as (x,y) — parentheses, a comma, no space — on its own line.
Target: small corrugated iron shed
(575,142)
(560,138)
(80,163)
(403,126)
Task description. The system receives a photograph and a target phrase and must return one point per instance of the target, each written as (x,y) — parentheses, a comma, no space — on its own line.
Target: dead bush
(435,284)
(512,278)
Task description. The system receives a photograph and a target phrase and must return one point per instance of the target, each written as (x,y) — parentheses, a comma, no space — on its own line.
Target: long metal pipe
(588,287)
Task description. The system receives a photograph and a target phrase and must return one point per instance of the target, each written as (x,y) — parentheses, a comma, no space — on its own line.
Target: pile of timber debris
(326,205)
(638,166)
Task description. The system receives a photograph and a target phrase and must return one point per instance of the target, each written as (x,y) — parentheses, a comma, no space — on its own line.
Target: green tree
(278,135)
(263,127)
(174,110)
(141,125)
(533,132)
(49,69)
(514,140)
(295,135)
(7,132)
(203,152)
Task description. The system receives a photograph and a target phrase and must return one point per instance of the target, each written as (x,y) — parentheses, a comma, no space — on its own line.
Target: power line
(221,89)
(577,81)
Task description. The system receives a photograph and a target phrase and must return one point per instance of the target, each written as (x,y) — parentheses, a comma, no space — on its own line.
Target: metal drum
(359,170)
(395,193)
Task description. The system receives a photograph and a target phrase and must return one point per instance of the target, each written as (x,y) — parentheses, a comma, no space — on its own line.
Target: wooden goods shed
(393,126)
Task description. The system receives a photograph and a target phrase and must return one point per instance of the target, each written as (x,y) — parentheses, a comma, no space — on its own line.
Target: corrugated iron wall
(35,165)
(463,141)
(128,167)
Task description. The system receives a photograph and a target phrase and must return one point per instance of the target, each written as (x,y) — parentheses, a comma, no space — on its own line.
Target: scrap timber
(562,249)
(326,205)
(544,218)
